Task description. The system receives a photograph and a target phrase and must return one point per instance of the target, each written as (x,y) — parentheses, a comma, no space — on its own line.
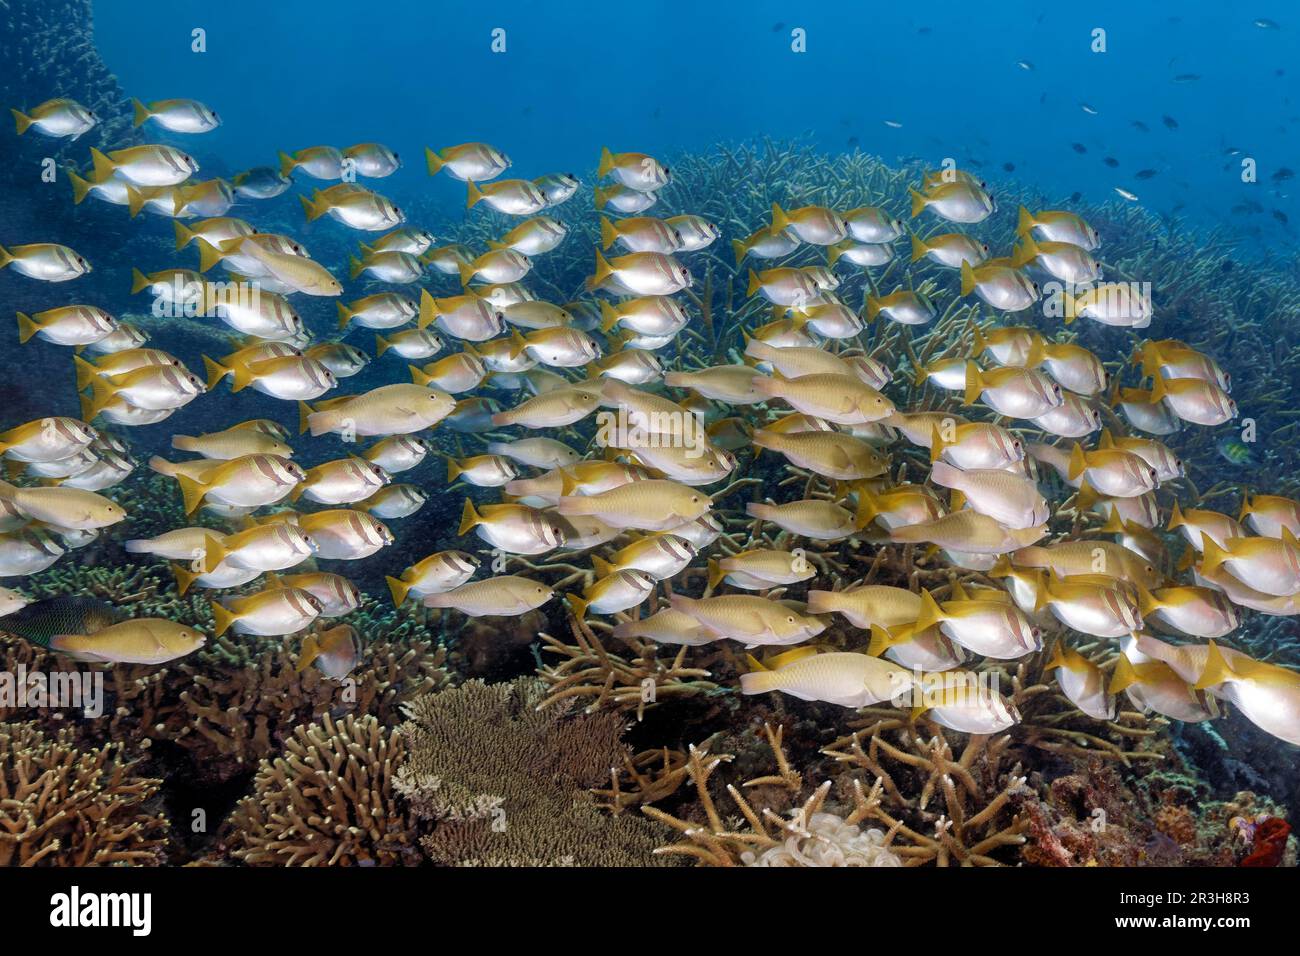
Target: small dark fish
(1283,174)
(778,27)
(1009,167)
(1076,196)
(924,30)
(1169,122)
(853,141)
(1280,216)
(1141,127)
(41,621)
(1144,174)
(1187,77)
(1112,162)
(1079,148)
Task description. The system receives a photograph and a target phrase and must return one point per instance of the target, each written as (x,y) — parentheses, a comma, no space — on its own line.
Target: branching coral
(64,806)
(498,781)
(329,801)
(590,670)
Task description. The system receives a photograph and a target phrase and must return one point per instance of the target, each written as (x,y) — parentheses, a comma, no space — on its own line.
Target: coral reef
(61,805)
(329,801)
(498,781)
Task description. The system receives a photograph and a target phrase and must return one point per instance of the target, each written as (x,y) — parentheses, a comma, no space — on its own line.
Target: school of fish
(637,501)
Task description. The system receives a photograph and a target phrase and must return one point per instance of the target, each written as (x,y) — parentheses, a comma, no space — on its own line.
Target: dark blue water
(667,76)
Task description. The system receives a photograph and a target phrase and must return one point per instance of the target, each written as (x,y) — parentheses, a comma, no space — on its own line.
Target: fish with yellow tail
(1266,694)
(335,653)
(1152,685)
(271,613)
(749,619)
(847,679)
(47,261)
(439,572)
(1270,565)
(761,570)
(467,161)
(988,628)
(1082,681)
(507,595)
(251,481)
(616,591)
(514,528)
(386,410)
(56,118)
(652,505)
(70,508)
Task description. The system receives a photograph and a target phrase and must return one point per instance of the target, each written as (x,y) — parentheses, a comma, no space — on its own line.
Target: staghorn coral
(589,669)
(328,801)
(497,781)
(65,806)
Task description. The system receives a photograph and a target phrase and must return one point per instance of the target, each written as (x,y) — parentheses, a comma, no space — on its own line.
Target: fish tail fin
(602,567)
(1025,253)
(1025,222)
(873,307)
(919,249)
(740,249)
(1159,391)
(834,252)
(287,164)
(968,282)
(1057,657)
(192,492)
(608,316)
(606,163)
(184,235)
(86,373)
(140,113)
(216,372)
(382,345)
(716,574)
(399,589)
(104,167)
(919,202)
(974,384)
(608,234)
(780,220)
(603,270)
(981,343)
(355,267)
(345,315)
(473,195)
(5,257)
(308,653)
(428,310)
(80,187)
(469,518)
(920,376)
(1216,670)
(601,197)
(21,120)
(26,328)
(305,412)
(931,614)
(577,605)
(222,618)
(1211,554)
(467,272)
(883,639)
(209,255)
(312,207)
(1176,519)
(213,554)
(1078,462)
(134,201)
(433,161)
(102,394)
(755,283)
(453,469)
(185,577)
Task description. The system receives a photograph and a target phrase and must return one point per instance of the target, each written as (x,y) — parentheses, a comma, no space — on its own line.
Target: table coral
(497,780)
